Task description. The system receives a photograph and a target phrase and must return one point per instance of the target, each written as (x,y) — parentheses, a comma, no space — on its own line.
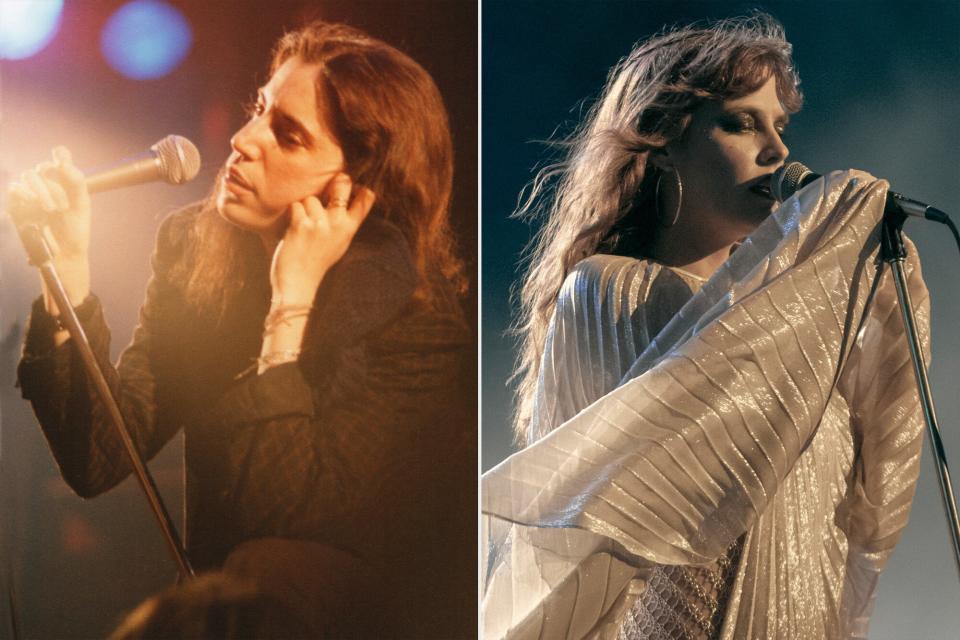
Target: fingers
(338,191)
(363,201)
(21,204)
(339,197)
(51,175)
(72,178)
(321,229)
(39,189)
(298,212)
(52,185)
(338,206)
(51,240)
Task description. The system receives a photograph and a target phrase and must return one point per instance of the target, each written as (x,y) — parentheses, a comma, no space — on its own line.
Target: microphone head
(179,159)
(787,179)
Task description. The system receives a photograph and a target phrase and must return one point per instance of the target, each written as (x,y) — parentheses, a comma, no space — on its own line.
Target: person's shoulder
(369,288)
(378,267)
(599,275)
(380,242)
(176,226)
(425,325)
(601,264)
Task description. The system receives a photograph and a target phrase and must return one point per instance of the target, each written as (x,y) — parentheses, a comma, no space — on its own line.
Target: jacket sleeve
(677,462)
(608,311)
(335,445)
(78,428)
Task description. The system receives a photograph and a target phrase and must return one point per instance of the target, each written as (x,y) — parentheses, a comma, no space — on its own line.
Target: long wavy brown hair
(600,196)
(387,114)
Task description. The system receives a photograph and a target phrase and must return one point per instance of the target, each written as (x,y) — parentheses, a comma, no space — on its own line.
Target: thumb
(73,179)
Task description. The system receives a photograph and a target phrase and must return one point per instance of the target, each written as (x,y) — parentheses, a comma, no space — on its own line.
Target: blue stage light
(146,39)
(27,26)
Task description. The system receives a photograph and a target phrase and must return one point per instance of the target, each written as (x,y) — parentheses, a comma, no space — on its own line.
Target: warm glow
(27,26)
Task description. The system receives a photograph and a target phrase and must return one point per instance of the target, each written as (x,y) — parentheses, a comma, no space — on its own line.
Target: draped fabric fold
(774,402)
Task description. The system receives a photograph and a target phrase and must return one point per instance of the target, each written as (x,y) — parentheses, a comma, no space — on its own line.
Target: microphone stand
(40,256)
(893,252)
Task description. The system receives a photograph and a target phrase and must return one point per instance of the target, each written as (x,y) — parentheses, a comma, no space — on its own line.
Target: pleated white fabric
(776,401)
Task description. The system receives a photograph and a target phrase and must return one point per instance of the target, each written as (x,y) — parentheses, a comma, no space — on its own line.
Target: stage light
(146,39)
(27,26)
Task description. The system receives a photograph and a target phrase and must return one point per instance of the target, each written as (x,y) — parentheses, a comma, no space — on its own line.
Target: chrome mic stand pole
(40,256)
(893,252)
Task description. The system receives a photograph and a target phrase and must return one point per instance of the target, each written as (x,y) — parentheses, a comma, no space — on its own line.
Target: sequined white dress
(774,405)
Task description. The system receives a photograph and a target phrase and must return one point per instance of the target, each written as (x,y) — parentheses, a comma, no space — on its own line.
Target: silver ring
(337,203)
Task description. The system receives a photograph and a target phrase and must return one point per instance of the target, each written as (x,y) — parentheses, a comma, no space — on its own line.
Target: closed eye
(286,137)
(739,123)
(285,129)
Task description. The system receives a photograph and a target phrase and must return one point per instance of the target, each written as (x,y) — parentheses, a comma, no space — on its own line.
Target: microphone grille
(179,159)
(787,179)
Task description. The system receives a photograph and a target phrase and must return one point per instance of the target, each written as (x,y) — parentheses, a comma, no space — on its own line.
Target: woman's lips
(235,180)
(762,190)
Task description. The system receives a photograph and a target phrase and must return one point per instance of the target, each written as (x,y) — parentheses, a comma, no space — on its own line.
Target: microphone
(793,176)
(174,160)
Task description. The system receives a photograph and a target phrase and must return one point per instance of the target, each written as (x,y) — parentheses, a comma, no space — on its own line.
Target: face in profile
(283,154)
(726,157)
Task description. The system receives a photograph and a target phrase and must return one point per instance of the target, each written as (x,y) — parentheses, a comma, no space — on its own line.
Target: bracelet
(283,314)
(278,357)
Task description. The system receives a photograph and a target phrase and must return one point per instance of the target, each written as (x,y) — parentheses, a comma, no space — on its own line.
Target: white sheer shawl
(779,402)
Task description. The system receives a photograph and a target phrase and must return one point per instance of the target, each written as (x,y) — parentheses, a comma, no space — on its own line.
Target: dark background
(72,568)
(881,84)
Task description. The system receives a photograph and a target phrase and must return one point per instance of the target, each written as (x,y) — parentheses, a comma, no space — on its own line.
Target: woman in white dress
(722,427)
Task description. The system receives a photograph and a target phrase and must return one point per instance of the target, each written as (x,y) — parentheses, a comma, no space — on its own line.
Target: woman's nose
(244,141)
(775,151)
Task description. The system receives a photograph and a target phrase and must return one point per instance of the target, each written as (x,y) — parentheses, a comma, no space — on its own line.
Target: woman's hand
(317,237)
(55,194)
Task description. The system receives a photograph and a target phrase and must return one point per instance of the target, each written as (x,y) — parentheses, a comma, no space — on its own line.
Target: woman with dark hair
(722,432)
(303,326)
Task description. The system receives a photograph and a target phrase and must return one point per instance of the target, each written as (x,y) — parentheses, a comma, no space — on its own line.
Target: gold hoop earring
(656,195)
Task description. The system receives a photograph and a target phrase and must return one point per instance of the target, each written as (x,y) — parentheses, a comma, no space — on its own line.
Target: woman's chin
(761,210)
(228,211)
(247,219)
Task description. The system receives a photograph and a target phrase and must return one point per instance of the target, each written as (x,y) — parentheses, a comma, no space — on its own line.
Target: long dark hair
(390,120)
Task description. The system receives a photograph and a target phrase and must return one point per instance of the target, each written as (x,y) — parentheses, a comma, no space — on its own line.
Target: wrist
(75,275)
(283,332)
(278,303)
(286,315)
(56,320)
(78,267)
(77,290)
(274,358)
(294,295)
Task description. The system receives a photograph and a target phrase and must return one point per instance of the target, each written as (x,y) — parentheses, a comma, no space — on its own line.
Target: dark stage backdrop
(881,83)
(73,568)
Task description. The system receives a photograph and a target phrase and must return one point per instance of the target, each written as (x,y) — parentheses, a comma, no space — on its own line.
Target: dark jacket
(367,444)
